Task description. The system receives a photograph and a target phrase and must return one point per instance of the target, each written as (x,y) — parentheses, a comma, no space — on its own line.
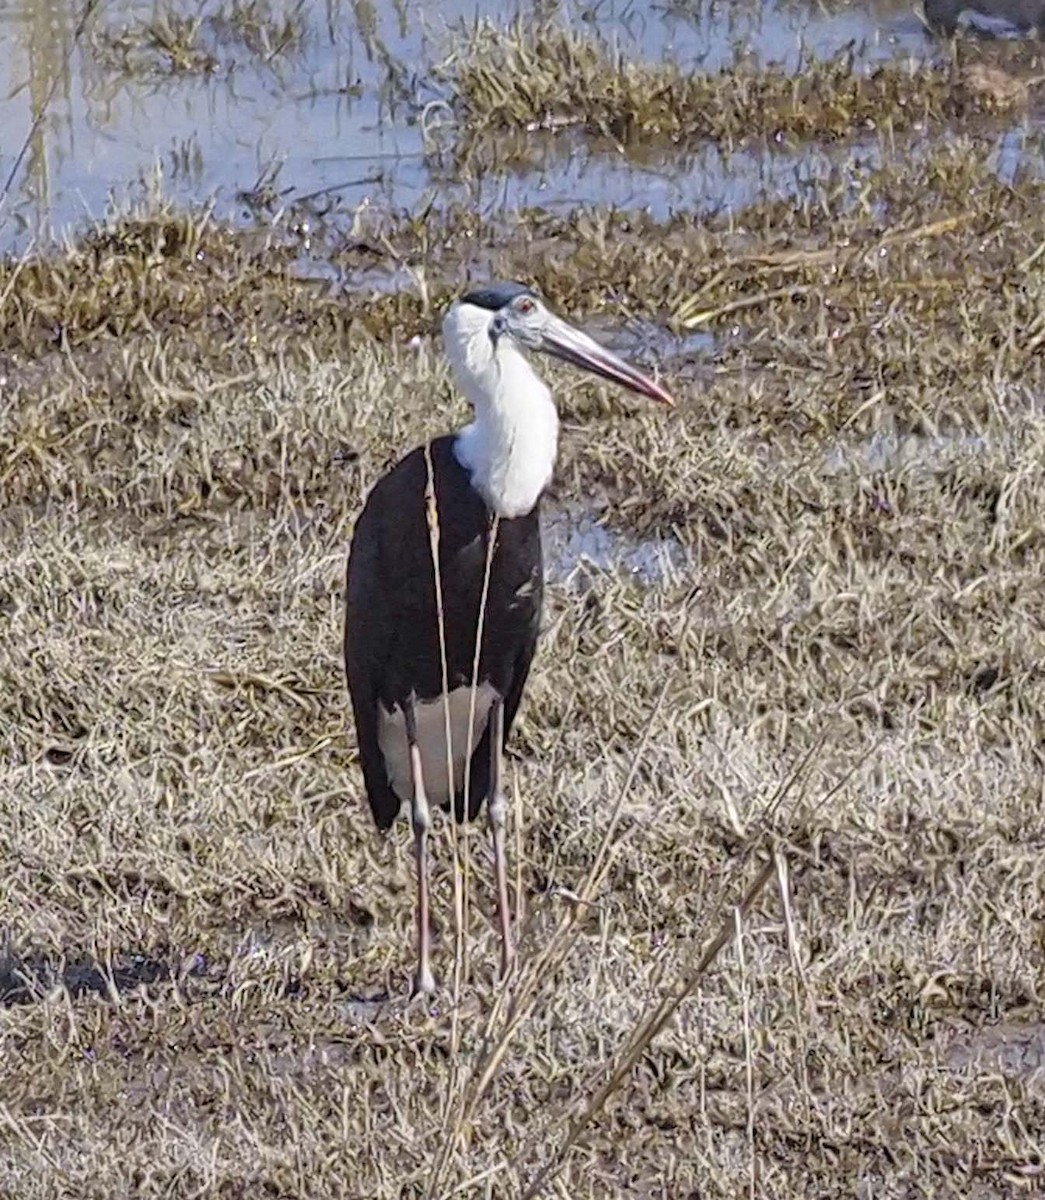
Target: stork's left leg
(496,811)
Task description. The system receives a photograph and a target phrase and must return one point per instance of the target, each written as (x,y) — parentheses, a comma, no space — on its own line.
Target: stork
(452,522)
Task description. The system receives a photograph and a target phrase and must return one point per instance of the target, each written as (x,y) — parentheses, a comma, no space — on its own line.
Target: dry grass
(213,38)
(186,434)
(536,75)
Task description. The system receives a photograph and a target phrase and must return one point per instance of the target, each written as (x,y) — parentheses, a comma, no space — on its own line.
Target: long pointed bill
(564,341)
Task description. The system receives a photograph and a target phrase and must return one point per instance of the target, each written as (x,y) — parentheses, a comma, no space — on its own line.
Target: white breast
(430,718)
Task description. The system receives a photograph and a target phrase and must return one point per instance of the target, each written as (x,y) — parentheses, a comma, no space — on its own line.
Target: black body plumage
(392,646)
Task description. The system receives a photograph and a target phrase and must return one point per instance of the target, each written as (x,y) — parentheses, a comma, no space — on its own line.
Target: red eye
(525,305)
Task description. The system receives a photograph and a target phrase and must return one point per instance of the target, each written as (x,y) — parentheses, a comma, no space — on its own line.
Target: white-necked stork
(440,505)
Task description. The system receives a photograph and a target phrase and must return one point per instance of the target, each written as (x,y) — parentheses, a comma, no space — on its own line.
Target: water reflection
(575,538)
(339,109)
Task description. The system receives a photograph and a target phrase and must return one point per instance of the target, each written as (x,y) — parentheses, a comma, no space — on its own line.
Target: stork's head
(488,327)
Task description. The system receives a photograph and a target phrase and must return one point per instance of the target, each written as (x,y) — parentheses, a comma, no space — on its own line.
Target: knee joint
(497,810)
(420,815)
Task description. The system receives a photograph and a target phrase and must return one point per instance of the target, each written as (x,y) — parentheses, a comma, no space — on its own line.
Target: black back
(391,619)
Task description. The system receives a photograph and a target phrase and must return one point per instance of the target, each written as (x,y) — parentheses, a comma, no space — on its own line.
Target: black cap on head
(497,295)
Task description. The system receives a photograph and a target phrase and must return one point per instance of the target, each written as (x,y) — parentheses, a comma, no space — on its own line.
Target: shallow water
(577,541)
(339,113)
(26,979)
(1010,1049)
(891,453)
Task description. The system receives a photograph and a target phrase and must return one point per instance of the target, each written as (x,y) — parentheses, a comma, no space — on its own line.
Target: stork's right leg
(496,808)
(421,819)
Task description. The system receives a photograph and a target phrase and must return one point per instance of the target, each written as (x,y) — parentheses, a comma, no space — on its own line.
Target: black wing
(391,639)
(366,631)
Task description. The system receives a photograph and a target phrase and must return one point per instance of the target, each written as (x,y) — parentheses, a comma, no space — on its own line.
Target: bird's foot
(424,982)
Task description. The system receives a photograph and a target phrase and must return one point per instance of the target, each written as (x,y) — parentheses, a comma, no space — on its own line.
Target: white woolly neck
(509,448)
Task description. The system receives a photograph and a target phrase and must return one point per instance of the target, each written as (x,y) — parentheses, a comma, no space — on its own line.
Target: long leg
(496,809)
(421,819)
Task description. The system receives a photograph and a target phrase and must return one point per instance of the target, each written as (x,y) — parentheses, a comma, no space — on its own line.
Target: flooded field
(270,105)
(778,832)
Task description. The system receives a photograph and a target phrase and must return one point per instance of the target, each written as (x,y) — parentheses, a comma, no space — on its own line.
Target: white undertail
(510,447)
(430,721)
